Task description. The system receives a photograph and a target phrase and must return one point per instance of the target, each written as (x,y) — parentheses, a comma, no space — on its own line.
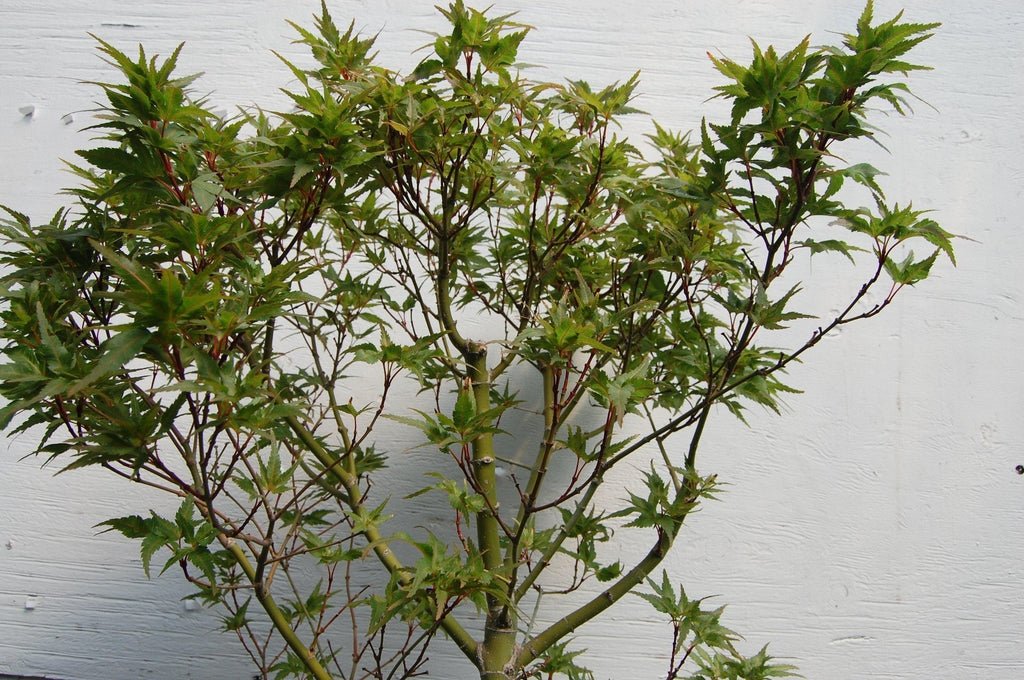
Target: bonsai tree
(234,309)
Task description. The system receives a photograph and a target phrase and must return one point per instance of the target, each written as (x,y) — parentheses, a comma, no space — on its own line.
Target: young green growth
(231,305)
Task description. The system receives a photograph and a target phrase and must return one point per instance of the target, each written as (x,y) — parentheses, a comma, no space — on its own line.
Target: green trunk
(498,649)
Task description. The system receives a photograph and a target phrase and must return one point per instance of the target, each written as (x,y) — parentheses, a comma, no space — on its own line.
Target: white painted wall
(877,534)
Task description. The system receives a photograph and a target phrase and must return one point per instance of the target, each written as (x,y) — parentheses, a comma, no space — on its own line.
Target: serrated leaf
(910,271)
(238,620)
(116,352)
(132,526)
(465,409)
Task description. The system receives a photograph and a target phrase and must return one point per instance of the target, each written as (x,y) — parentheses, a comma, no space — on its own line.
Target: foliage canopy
(233,307)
